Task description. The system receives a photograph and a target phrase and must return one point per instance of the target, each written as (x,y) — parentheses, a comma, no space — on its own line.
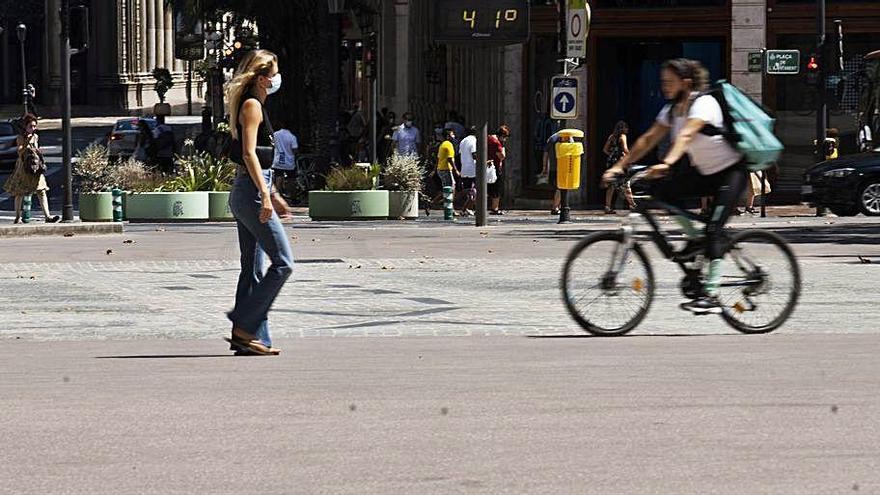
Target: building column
(401,93)
(168,25)
(748,34)
(141,23)
(148,17)
(512,115)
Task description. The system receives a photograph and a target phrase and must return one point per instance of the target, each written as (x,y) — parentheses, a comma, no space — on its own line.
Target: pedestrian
(30,93)
(454,122)
(549,160)
(616,147)
(163,143)
(388,129)
(407,139)
(145,145)
(357,130)
(756,179)
(467,149)
(446,170)
(497,153)
(284,162)
(29,175)
(251,202)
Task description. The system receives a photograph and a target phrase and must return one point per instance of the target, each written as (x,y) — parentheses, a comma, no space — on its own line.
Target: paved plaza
(117,380)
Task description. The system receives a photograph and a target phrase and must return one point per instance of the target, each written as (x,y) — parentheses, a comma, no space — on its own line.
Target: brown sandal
(245,340)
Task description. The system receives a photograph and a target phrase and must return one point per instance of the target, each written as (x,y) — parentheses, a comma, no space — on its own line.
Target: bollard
(26,208)
(117,204)
(564,209)
(447,203)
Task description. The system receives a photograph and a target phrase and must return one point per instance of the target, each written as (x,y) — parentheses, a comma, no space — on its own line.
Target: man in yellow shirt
(446,160)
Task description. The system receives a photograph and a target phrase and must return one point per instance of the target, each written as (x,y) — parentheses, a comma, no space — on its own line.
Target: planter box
(218,206)
(165,206)
(96,207)
(348,205)
(403,204)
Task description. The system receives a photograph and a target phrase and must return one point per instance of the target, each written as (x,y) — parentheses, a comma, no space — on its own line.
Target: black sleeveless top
(265,139)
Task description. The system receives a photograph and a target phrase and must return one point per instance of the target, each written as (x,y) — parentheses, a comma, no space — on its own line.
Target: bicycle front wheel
(760,282)
(606,288)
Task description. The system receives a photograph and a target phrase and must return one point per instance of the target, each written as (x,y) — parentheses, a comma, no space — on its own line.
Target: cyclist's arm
(683,140)
(624,144)
(645,143)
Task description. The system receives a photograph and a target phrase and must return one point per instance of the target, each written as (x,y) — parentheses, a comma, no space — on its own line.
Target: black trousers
(725,187)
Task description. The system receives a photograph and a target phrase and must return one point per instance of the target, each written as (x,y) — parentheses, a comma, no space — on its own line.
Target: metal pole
(822,112)
(483,154)
(66,139)
(189,80)
(22,32)
(763,174)
(375,120)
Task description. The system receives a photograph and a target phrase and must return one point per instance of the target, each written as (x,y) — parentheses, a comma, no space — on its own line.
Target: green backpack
(747,127)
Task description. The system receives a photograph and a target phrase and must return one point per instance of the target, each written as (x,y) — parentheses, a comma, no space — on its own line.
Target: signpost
(783,62)
(577,27)
(481,23)
(756,61)
(564,95)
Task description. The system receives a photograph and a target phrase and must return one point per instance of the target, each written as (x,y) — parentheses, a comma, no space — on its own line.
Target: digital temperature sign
(489,21)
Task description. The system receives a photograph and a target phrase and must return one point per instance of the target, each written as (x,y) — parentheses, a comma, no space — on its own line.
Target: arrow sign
(564,98)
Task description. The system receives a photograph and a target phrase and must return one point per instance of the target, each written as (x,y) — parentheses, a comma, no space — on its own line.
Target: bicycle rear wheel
(760,282)
(603,300)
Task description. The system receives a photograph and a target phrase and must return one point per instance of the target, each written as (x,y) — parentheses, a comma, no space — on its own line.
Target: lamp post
(21,31)
(365,17)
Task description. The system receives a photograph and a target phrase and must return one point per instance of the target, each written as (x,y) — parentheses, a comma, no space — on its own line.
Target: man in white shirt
(716,169)
(407,138)
(468,150)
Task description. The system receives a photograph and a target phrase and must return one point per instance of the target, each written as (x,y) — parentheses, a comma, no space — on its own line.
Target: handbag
(33,160)
(491,174)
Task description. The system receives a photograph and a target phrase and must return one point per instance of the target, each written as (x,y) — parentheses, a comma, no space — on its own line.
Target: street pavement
(424,357)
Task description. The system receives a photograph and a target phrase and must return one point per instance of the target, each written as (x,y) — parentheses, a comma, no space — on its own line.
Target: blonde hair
(255,63)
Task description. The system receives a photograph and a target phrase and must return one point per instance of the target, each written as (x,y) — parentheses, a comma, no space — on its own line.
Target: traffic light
(371,55)
(813,66)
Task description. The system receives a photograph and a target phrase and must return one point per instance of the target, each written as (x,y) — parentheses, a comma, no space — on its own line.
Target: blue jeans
(257,289)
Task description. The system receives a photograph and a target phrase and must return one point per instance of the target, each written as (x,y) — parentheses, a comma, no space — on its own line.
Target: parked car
(845,186)
(8,148)
(122,139)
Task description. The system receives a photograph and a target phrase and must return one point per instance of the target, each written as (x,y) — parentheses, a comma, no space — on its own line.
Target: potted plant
(199,191)
(96,176)
(164,82)
(403,180)
(350,195)
(133,177)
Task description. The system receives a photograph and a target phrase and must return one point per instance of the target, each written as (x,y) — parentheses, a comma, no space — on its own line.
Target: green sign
(756,61)
(783,62)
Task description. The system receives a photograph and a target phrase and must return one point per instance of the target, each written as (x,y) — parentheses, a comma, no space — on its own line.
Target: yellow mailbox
(568,159)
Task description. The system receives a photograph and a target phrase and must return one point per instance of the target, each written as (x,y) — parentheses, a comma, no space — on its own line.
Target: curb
(60,229)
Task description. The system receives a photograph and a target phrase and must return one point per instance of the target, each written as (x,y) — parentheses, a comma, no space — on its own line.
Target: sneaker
(703,306)
(691,249)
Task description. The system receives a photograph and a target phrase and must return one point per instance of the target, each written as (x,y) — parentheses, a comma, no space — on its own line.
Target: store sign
(783,62)
(577,27)
(756,61)
(489,21)
(189,37)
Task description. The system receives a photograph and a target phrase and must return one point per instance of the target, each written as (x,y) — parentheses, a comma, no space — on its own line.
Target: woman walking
(29,174)
(616,147)
(259,227)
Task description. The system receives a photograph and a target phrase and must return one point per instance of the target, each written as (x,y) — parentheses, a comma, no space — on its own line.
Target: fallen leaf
(68,234)
(160,229)
(490,251)
(865,260)
(109,252)
(128,241)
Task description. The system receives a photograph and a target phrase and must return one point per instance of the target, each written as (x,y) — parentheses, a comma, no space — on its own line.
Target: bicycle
(613,297)
(296,184)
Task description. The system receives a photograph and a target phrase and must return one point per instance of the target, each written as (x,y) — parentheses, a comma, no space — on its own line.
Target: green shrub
(403,173)
(350,179)
(201,172)
(94,170)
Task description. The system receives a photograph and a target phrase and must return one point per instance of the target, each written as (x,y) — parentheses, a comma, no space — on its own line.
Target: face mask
(408,123)
(274,84)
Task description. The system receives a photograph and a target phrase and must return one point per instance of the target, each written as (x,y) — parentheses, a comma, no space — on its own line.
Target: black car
(846,186)
(8,146)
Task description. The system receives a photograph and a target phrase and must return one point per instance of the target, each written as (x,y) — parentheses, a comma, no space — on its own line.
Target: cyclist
(716,169)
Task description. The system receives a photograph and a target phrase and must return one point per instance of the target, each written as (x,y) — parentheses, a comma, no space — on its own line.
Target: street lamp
(21,32)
